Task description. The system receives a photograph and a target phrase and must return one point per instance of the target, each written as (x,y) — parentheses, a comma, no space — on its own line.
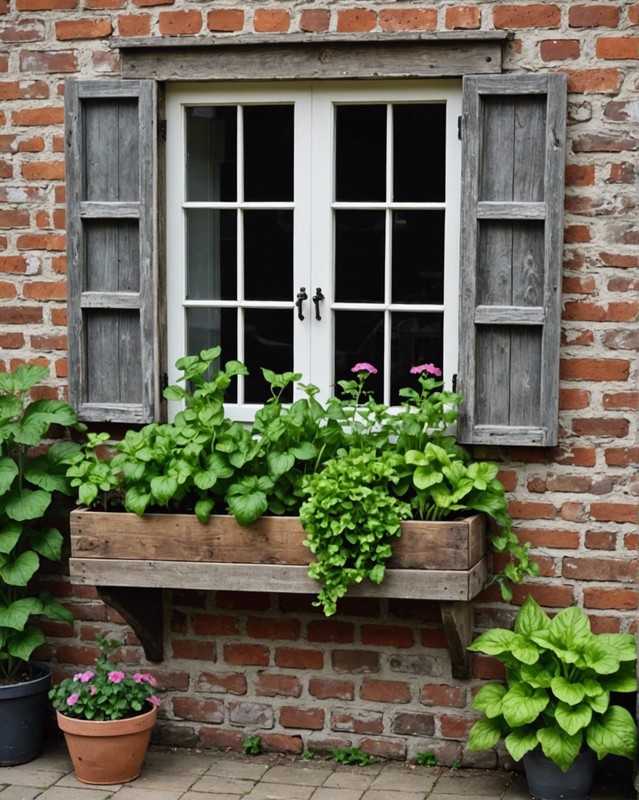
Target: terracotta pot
(107,752)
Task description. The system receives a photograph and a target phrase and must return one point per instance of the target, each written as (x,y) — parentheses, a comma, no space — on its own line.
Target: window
(278,191)
(314,225)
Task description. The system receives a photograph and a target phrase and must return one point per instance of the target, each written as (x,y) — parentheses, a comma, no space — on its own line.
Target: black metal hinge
(162,130)
(459,128)
(455,382)
(165,381)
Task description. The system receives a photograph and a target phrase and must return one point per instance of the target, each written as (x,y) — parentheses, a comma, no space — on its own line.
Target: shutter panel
(513,153)
(112,252)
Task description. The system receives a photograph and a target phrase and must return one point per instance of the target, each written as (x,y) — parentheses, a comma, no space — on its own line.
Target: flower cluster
(105,692)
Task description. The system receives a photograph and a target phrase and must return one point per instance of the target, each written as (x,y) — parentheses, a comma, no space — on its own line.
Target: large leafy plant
(31,475)
(559,679)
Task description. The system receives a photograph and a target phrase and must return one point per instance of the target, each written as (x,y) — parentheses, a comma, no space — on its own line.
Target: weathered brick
(281,743)
(299,658)
(443,695)
(600,569)
(601,427)
(246,654)
(617,599)
(413,724)
(600,540)
(180,23)
(315,19)
(617,47)
(356,20)
(357,721)
(273,628)
(193,649)
(559,49)
(329,630)
(331,689)
(355,661)
(621,456)
(597,81)
(381,691)
(594,369)
(463,17)
(83,29)
(387,635)
(271,20)
(527,15)
(211,711)
(49,61)
(222,682)
(621,400)
(306,718)
(615,512)
(255,715)
(22,30)
(225,19)
(408,19)
(593,16)
(278,685)
(134,25)
(388,749)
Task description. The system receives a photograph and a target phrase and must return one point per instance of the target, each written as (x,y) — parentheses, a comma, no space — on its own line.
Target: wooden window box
(131,559)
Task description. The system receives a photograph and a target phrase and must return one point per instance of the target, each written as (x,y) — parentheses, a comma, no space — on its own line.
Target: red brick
(243,601)
(311,719)
(11,341)
(463,17)
(580,175)
(386,749)
(527,510)
(355,661)
(134,25)
(299,658)
(315,19)
(408,19)
(220,738)
(328,630)
(271,20)
(83,29)
(600,540)
(573,512)
(280,743)
(330,689)
(49,61)
(533,15)
(577,338)
(574,234)
(573,398)
(211,711)
(594,369)
(617,47)
(433,638)
(606,142)
(24,90)
(622,260)
(193,649)
(59,342)
(277,686)
(559,49)
(25,30)
(455,727)
(100,4)
(387,636)
(577,456)
(357,721)
(593,16)
(46,115)
(579,284)
(45,5)
(598,81)
(356,20)
(246,654)
(380,691)
(273,628)
(413,724)
(626,172)
(222,682)
(180,23)
(225,19)
(443,695)
(621,456)
(617,599)
(560,539)
(547,596)
(43,171)
(14,219)
(600,569)
(615,512)
(601,427)
(45,290)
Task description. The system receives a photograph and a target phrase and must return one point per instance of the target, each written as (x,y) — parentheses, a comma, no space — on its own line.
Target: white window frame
(313,232)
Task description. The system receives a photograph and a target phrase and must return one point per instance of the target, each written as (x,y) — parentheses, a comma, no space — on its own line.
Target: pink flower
(72,699)
(83,677)
(116,677)
(155,701)
(430,368)
(93,691)
(364,366)
(144,676)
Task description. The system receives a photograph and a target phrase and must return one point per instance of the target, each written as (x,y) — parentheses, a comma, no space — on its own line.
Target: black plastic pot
(23,708)
(546,781)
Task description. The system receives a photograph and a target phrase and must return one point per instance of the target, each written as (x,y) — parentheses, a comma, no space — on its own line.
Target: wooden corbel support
(457,617)
(142,608)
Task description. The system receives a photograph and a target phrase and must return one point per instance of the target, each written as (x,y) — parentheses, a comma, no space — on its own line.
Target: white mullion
(388,253)
(241,342)
(451,238)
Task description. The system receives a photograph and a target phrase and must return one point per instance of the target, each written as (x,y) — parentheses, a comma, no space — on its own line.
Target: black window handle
(301,296)
(317,299)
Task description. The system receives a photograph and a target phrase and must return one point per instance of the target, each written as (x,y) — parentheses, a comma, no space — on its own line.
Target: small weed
(351,755)
(252,746)
(307,755)
(427,759)
(456,765)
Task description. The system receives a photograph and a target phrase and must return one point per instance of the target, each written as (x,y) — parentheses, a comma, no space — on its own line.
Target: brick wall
(377,675)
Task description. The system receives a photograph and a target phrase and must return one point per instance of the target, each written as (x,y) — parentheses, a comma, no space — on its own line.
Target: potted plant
(31,475)
(107,718)
(554,711)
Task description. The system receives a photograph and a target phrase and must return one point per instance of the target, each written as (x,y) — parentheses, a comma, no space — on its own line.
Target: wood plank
(409,584)
(492,209)
(509,315)
(270,540)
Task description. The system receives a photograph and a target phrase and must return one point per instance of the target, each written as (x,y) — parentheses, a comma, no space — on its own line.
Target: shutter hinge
(455,382)
(459,128)
(165,381)
(162,130)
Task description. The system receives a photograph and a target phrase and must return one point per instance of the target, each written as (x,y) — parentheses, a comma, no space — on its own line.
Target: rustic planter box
(127,556)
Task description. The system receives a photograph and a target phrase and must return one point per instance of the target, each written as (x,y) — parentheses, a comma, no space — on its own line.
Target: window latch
(317,299)
(301,296)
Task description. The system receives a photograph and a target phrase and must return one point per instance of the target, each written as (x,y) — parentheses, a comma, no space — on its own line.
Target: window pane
(359,336)
(418,257)
(268,153)
(359,256)
(210,327)
(211,254)
(416,339)
(211,153)
(268,255)
(360,161)
(419,148)
(269,343)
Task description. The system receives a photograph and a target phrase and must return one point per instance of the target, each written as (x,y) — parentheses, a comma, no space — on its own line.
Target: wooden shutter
(112,253)
(513,153)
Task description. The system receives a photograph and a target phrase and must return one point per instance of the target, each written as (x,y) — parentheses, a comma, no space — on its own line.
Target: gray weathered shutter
(513,152)
(111,152)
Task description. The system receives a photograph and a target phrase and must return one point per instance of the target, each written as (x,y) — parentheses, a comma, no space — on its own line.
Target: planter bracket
(142,608)
(457,617)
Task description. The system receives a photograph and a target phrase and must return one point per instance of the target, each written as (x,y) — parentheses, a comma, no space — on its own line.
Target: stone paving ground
(189,775)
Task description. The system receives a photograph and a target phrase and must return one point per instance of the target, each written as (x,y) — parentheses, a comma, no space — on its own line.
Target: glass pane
(360,160)
(211,153)
(210,327)
(419,152)
(268,255)
(359,256)
(418,257)
(211,254)
(359,336)
(416,339)
(269,343)
(268,153)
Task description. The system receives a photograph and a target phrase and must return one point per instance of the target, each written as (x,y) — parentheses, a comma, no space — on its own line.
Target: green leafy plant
(559,676)
(252,745)
(32,477)
(105,692)
(350,467)
(351,756)
(427,759)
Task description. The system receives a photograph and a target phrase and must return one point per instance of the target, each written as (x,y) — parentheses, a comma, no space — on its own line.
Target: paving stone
(324,793)
(279,791)
(85,793)
(375,794)
(27,775)
(222,784)
(298,775)
(470,783)
(237,769)
(349,780)
(134,792)
(404,781)
(205,796)
(19,793)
